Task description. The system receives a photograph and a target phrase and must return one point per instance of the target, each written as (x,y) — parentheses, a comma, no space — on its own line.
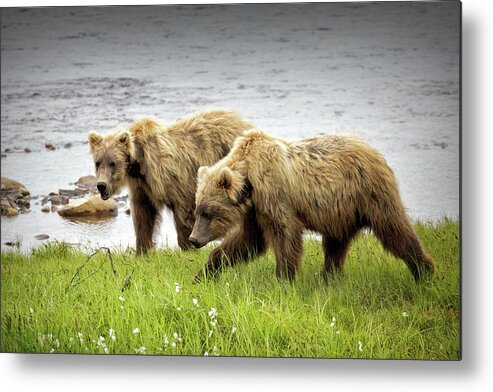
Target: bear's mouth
(105,195)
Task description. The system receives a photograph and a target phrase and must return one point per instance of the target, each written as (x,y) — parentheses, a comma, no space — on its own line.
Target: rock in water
(9,208)
(87,182)
(41,237)
(59,199)
(90,206)
(15,196)
(77,192)
(11,187)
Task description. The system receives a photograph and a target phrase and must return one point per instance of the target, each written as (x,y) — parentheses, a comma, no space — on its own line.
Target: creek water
(387,72)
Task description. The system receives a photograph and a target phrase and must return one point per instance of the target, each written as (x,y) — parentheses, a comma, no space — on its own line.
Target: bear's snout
(103,190)
(195,242)
(101,186)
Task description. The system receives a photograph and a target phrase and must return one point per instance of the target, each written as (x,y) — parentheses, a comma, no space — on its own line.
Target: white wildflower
(71,339)
(195,302)
(177,337)
(404,314)
(112,334)
(122,299)
(233,330)
(173,344)
(333,319)
(360,346)
(213,313)
(179,308)
(177,288)
(210,332)
(105,350)
(206,354)
(31,310)
(332,324)
(338,332)
(140,350)
(165,340)
(136,331)
(57,343)
(79,335)
(52,350)
(213,324)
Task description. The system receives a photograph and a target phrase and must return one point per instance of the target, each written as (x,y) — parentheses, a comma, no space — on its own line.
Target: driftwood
(101,266)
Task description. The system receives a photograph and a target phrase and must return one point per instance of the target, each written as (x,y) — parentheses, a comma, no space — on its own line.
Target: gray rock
(24,202)
(59,200)
(42,237)
(87,182)
(15,196)
(45,209)
(73,193)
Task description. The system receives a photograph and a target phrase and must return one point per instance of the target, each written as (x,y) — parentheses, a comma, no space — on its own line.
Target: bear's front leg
(287,242)
(145,217)
(241,244)
(183,218)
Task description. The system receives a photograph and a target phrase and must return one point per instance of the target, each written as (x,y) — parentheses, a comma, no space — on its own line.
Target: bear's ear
(225,178)
(94,139)
(124,138)
(202,170)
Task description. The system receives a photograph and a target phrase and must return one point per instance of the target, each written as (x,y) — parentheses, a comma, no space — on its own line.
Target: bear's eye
(205,215)
(97,164)
(112,164)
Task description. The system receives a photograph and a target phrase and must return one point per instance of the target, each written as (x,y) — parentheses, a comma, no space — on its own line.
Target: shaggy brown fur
(159,164)
(333,185)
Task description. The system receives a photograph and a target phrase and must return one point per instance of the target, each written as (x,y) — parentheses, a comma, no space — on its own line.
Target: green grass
(375,302)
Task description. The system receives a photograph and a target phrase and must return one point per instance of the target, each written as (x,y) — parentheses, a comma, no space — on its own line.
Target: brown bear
(159,164)
(267,190)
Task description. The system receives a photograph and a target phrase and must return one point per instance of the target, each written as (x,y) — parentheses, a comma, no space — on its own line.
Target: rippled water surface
(386,72)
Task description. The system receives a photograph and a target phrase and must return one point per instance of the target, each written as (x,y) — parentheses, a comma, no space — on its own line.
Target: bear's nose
(101,186)
(193,241)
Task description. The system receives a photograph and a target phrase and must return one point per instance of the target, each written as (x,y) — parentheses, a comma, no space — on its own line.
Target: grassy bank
(374,310)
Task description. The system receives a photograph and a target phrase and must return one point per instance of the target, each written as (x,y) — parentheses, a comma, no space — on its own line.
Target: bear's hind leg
(400,239)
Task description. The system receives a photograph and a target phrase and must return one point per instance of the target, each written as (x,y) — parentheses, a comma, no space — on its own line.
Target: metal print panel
(266,180)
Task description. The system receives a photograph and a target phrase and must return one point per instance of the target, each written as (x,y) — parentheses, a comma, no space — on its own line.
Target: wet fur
(159,165)
(333,185)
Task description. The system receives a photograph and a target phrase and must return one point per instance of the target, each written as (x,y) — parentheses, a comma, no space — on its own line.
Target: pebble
(42,237)
(59,199)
